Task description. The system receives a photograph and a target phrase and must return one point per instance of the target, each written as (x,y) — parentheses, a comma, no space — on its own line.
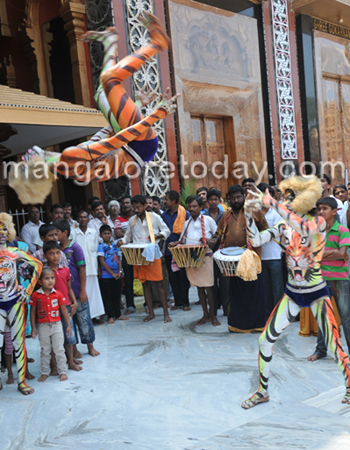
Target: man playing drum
(144,228)
(246,311)
(197,231)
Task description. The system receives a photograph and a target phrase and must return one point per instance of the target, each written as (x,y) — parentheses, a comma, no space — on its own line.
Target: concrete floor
(159,386)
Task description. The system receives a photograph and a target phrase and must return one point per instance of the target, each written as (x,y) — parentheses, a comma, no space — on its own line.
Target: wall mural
(283,67)
(155,176)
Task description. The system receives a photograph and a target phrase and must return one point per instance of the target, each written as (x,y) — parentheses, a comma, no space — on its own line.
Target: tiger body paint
(129,141)
(13,299)
(302,238)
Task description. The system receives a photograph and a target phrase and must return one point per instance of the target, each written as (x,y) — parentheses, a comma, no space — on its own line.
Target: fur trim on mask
(307,191)
(6,219)
(32,181)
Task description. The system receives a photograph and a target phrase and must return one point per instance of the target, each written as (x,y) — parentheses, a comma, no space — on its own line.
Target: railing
(20,218)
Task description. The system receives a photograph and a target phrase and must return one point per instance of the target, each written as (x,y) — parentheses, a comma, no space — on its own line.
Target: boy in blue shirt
(110,282)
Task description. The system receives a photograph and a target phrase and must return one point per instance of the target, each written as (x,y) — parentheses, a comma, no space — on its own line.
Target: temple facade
(265,88)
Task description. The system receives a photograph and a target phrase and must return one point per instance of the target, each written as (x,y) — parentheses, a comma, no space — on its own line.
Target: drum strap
(149,226)
(205,242)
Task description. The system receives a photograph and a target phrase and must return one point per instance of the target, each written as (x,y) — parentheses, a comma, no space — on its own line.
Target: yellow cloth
(249,266)
(308,324)
(180,220)
(151,272)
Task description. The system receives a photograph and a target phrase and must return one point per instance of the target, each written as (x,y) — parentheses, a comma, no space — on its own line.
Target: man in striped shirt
(334,267)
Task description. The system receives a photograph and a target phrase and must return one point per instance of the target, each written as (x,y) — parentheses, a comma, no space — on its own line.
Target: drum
(188,255)
(227,259)
(133,254)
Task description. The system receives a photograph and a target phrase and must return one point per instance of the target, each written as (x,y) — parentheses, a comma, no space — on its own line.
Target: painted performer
(128,142)
(13,297)
(302,238)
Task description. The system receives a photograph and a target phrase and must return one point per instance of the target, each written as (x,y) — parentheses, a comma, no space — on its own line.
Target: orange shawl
(180,220)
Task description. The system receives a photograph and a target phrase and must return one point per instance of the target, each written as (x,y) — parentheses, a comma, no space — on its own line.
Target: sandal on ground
(258,397)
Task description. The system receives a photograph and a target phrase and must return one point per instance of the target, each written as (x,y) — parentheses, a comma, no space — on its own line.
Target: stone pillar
(3,182)
(73,14)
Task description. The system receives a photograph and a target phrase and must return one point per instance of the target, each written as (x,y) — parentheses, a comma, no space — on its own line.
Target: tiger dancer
(13,298)
(302,237)
(129,141)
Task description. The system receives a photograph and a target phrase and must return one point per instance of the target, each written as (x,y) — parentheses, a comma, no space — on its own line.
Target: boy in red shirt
(46,304)
(52,251)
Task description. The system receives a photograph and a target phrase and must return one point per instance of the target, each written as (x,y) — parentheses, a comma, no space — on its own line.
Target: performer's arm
(304,227)
(37,266)
(128,234)
(257,238)
(164,231)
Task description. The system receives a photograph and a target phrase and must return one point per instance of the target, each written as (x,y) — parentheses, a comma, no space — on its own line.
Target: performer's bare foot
(314,357)
(63,377)
(198,303)
(92,351)
(258,397)
(149,317)
(108,33)
(43,378)
(76,353)
(204,319)
(110,321)
(98,321)
(29,376)
(346,398)
(10,379)
(167,319)
(215,322)
(128,312)
(73,366)
(159,37)
(174,308)
(25,389)
(187,308)
(122,318)
(79,362)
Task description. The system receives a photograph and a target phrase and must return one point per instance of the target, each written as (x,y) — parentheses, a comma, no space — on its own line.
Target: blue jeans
(274,286)
(72,340)
(340,290)
(84,323)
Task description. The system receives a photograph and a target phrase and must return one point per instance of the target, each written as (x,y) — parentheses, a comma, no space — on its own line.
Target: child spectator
(52,251)
(77,267)
(334,267)
(46,304)
(110,281)
(48,232)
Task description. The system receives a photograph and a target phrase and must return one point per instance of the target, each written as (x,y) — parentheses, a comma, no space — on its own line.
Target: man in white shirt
(99,219)
(141,227)
(198,230)
(30,231)
(271,258)
(87,238)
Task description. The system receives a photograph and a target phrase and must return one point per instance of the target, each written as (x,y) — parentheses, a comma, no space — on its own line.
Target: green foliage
(188,188)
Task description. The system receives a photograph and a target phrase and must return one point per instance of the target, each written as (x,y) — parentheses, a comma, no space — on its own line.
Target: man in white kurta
(87,238)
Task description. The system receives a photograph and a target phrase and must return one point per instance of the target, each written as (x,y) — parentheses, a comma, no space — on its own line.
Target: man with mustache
(247,304)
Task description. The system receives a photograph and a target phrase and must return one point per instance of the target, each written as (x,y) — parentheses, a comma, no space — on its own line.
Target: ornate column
(73,14)
(3,182)
(155,176)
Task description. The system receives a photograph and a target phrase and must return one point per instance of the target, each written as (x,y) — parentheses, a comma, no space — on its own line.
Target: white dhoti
(95,300)
(202,276)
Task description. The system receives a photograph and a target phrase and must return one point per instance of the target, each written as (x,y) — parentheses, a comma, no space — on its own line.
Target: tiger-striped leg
(17,319)
(109,39)
(124,109)
(3,316)
(323,311)
(283,314)
(83,153)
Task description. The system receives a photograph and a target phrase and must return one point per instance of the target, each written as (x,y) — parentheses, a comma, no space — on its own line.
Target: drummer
(246,311)
(198,229)
(140,228)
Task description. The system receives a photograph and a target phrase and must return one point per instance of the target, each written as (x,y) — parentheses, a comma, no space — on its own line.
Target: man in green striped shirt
(334,267)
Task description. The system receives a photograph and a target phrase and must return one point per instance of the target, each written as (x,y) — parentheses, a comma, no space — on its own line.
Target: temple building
(264,84)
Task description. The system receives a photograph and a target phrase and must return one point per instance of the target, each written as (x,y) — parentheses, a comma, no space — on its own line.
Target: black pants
(221,285)
(179,283)
(129,284)
(111,293)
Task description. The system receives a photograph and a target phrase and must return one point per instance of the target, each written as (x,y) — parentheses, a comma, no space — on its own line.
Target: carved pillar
(25,40)
(73,14)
